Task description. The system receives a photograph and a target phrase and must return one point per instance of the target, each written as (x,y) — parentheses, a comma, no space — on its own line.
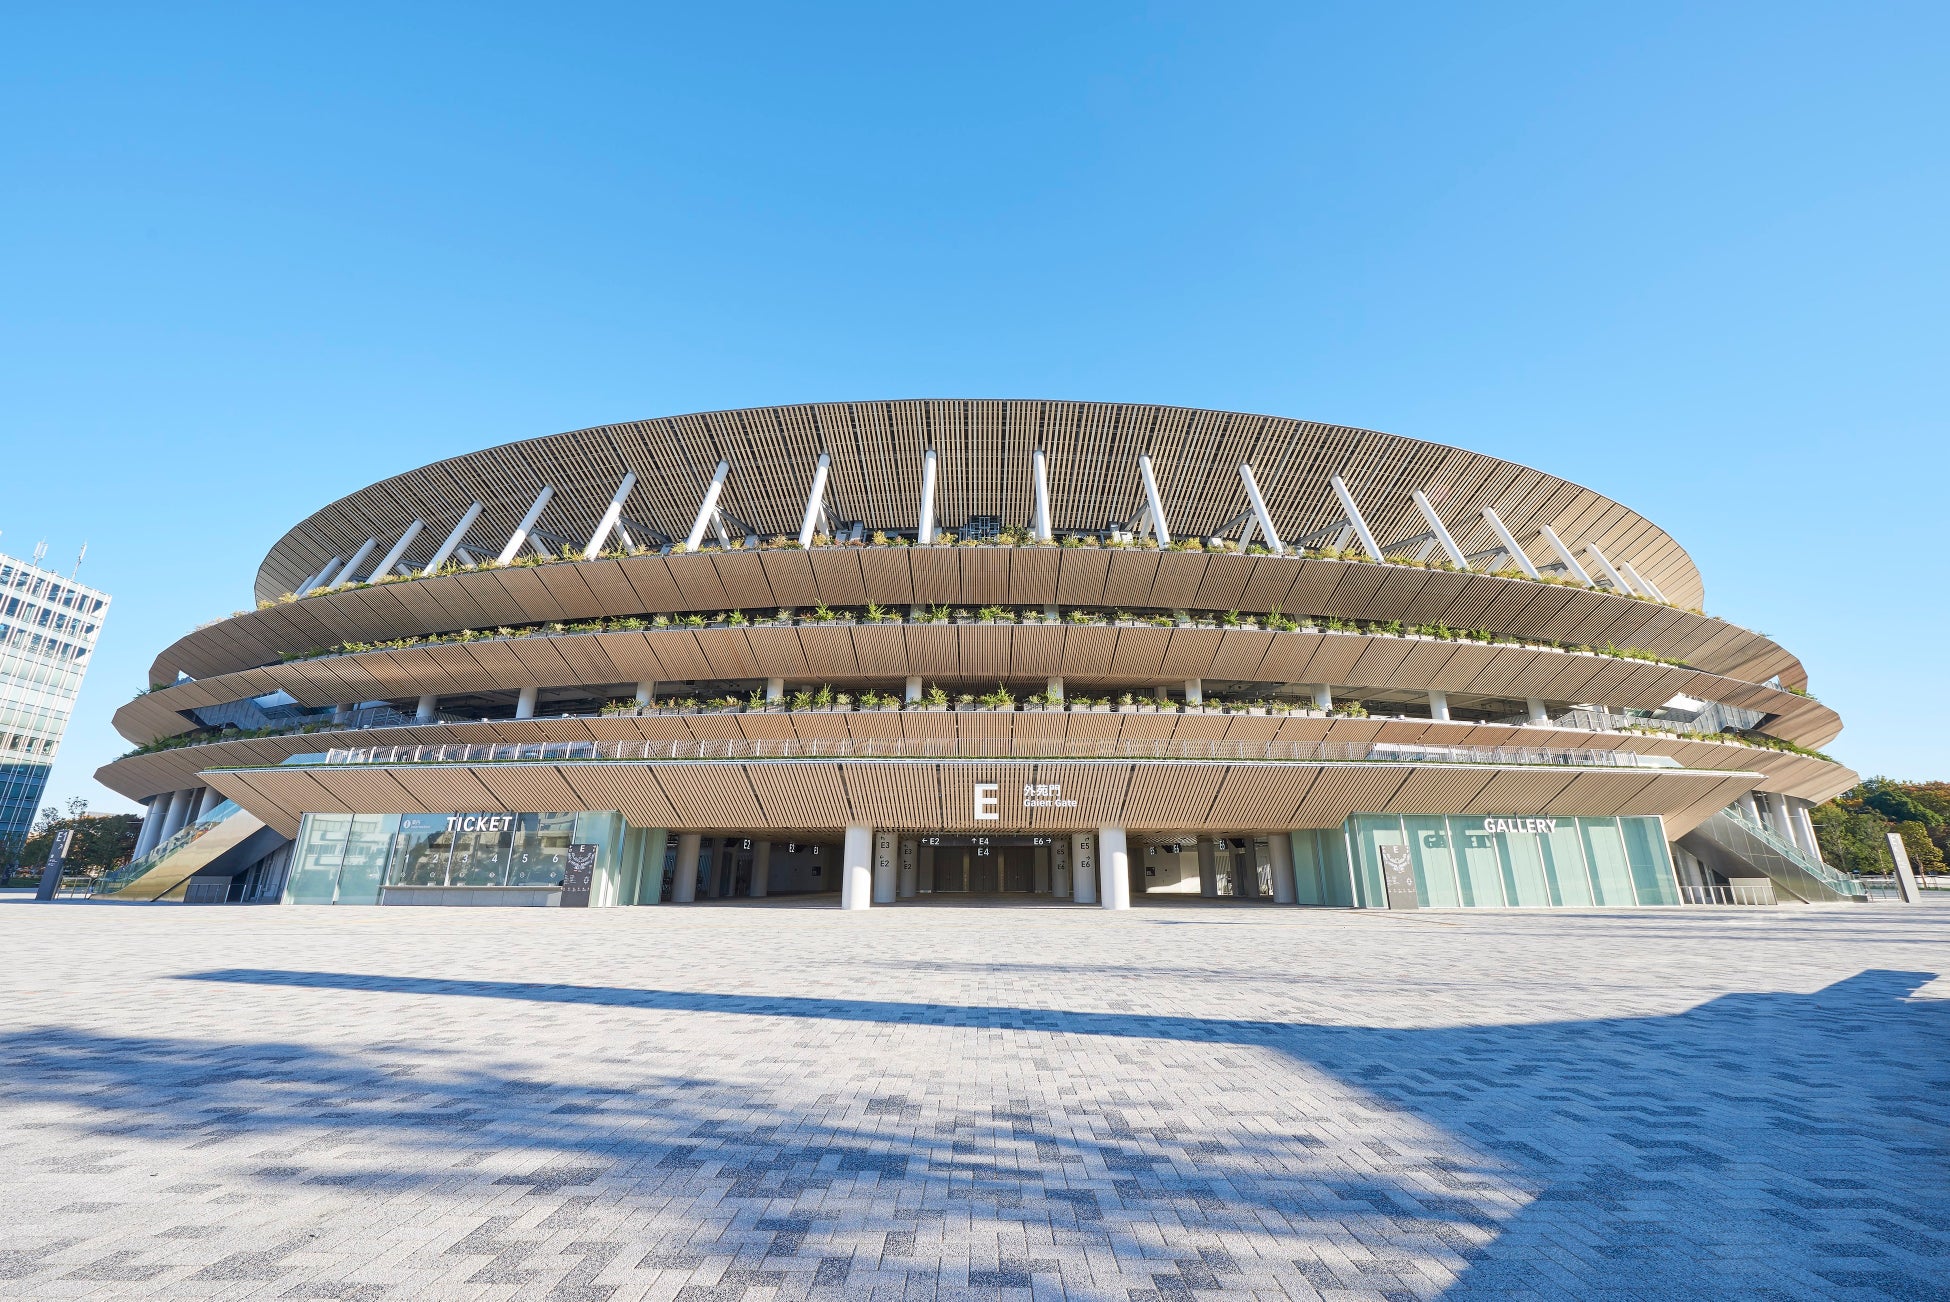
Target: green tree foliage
(101,841)
(1853,827)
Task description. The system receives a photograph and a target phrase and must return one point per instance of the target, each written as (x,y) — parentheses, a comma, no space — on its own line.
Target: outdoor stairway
(166,870)
(1794,872)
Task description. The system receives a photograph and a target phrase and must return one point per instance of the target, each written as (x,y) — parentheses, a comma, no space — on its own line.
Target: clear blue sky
(1693,256)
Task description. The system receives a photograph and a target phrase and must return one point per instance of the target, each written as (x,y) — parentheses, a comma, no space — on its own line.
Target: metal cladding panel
(727,653)
(610,591)
(1313,586)
(629,789)
(1255,796)
(1037,651)
(1251,728)
(1200,727)
(1188,653)
(821,725)
(1098,789)
(528,788)
(649,578)
(583,654)
(1525,791)
(801,795)
(252,796)
(888,577)
(836,573)
(1431,601)
(1269,585)
(1093,727)
(1597,795)
(697,580)
(985,575)
(1139,653)
(829,651)
(1087,651)
(1223,582)
(933,650)
(1380,663)
(366,791)
(880,650)
(1148,727)
(1336,658)
(929,726)
(531,597)
(1244,653)
(565,584)
(874,725)
(1434,664)
(959,780)
(984,650)
(1132,573)
(776,647)
(1437,791)
(1081,575)
(1177,583)
(903,796)
(709,795)
(1172,795)
(937,575)
(1032,576)
(442,789)
(767,727)
(1344,789)
(1396,592)
(742,576)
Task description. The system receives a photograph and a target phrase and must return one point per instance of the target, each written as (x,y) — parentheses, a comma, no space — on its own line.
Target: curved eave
(985,448)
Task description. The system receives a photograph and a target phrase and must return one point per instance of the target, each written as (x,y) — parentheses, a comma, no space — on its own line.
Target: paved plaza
(744,1102)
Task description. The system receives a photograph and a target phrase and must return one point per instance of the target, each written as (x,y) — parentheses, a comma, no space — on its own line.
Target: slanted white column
(761,868)
(611,514)
(321,578)
(1083,867)
(1355,518)
(152,821)
(815,500)
(1907,889)
(1208,868)
(1279,848)
(1539,712)
(206,800)
(1439,706)
(1441,532)
(684,889)
(774,690)
(1509,543)
(1751,809)
(519,538)
(646,694)
(1807,825)
(426,708)
(1053,689)
(1041,524)
(925,533)
(1323,697)
(1113,869)
(1609,570)
(1564,554)
(392,557)
(467,520)
(886,867)
(1160,531)
(1642,583)
(1260,514)
(525,702)
(856,868)
(1194,691)
(913,692)
(179,813)
(707,507)
(350,573)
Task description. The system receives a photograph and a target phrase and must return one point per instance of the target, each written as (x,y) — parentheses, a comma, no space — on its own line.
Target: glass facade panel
(1604,849)
(1478,869)
(480,857)
(1651,860)
(1435,866)
(314,877)
(368,843)
(1335,874)
(1523,870)
(1372,831)
(1564,865)
(421,849)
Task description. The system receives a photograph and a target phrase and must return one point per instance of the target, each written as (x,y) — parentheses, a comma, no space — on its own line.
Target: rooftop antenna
(79,558)
(40,552)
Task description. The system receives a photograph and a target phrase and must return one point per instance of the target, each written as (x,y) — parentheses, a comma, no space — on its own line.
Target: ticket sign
(1398,877)
(579,876)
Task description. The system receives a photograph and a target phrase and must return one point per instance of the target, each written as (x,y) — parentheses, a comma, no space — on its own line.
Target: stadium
(895,653)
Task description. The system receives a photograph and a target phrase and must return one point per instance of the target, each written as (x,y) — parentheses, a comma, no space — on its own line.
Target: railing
(1762,894)
(116,878)
(1839,882)
(986,748)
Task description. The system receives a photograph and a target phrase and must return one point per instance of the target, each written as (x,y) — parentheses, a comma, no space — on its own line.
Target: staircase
(165,871)
(1794,872)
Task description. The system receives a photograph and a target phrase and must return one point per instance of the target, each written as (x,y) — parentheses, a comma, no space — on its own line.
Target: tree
(1925,856)
(101,841)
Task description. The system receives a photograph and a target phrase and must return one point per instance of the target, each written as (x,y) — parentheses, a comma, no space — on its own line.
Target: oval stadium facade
(886,653)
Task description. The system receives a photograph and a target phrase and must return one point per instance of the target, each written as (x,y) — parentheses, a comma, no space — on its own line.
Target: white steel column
(157,809)
(1807,825)
(1643,584)
(1083,867)
(1564,554)
(1438,705)
(761,868)
(207,799)
(707,507)
(856,868)
(1053,690)
(427,707)
(1040,470)
(453,539)
(815,500)
(1323,697)
(1114,869)
(925,533)
(684,889)
(774,690)
(321,578)
(1539,712)
(1279,848)
(611,514)
(392,557)
(1194,691)
(1436,527)
(913,692)
(179,812)
(1355,518)
(1509,542)
(886,867)
(1607,569)
(525,702)
(1260,513)
(646,693)
(1160,531)
(349,573)
(519,537)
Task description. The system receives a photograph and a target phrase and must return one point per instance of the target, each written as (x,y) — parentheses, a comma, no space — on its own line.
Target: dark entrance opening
(984,865)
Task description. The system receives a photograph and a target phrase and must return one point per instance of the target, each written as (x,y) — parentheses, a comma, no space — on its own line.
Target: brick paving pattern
(739,1103)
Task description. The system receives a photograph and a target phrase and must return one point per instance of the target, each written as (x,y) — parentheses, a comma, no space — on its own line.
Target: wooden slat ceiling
(983,450)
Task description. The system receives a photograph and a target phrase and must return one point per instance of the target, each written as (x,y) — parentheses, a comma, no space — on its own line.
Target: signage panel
(579,877)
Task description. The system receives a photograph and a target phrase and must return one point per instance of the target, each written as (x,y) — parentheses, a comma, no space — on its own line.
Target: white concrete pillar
(1060,882)
(684,889)
(179,813)
(525,703)
(1323,697)
(1751,809)
(152,822)
(774,690)
(1194,691)
(1539,712)
(1279,848)
(761,869)
(1439,706)
(910,868)
(856,868)
(1783,824)
(913,688)
(1807,825)
(646,694)
(886,867)
(1208,869)
(206,800)
(1053,689)
(1083,866)
(426,709)
(1114,869)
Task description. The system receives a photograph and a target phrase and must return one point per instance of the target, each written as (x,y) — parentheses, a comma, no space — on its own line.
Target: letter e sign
(985,801)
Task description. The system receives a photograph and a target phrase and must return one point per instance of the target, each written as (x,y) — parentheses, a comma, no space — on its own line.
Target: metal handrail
(729,748)
(1838,881)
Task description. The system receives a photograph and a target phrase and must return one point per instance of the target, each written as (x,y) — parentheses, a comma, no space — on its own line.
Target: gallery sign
(1534,826)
